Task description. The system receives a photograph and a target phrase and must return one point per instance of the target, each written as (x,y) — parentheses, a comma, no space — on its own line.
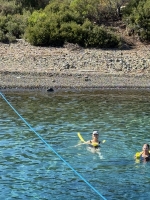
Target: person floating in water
(144,155)
(95,140)
(94,144)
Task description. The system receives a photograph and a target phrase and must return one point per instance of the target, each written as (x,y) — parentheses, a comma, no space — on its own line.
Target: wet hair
(147,145)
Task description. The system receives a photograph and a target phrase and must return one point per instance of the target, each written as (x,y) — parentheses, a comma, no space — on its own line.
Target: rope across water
(96,191)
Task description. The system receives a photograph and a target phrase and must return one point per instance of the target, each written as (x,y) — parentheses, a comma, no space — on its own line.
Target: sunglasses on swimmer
(146,148)
(95,134)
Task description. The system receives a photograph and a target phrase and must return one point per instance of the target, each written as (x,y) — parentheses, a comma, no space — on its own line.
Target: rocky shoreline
(28,67)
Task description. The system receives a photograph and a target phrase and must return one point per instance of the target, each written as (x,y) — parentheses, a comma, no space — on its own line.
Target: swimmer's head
(146,147)
(95,134)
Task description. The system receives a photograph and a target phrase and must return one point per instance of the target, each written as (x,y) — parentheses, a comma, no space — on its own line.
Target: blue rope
(53,149)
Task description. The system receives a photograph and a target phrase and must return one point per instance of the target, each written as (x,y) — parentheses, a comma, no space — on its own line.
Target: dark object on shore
(50,90)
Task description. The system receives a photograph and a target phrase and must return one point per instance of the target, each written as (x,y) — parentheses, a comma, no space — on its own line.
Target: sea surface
(39,158)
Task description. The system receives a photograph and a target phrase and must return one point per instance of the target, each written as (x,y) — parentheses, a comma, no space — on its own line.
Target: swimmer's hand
(138,154)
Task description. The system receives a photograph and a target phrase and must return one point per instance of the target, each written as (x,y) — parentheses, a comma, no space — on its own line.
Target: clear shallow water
(30,170)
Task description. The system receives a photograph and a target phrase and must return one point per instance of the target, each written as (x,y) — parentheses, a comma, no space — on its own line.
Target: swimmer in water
(144,155)
(93,144)
(95,140)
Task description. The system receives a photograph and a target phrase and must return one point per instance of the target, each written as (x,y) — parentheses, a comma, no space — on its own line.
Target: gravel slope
(25,66)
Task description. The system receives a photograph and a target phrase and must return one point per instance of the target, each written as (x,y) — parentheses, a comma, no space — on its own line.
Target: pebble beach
(23,66)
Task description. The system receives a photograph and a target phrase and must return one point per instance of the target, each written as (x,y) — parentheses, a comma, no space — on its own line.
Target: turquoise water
(30,170)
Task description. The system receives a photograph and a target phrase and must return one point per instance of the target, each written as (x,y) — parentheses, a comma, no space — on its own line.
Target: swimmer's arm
(138,154)
(86,142)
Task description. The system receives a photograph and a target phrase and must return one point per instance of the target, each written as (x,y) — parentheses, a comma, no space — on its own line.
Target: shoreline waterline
(72,81)
(23,66)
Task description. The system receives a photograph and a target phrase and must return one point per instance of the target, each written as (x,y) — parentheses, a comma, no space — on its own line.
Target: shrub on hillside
(137,15)
(13,26)
(55,32)
(97,36)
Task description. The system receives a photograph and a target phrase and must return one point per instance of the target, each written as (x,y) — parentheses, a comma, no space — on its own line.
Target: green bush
(32,4)
(10,8)
(37,16)
(137,15)
(38,36)
(70,32)
(56,29)
(13,26)
(3,37)
(98,37)
(87,8)
(59,22)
